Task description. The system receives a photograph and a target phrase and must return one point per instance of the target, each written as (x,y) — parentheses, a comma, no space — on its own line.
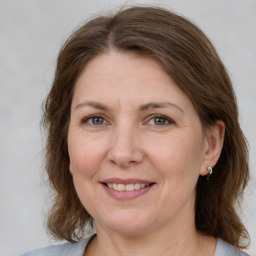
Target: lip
(126,181)
(126,195)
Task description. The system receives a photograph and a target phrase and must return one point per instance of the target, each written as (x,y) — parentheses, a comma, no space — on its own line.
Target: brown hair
(191,60)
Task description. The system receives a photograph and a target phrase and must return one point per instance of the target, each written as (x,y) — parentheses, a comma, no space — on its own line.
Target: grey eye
(160,121)
(97,120)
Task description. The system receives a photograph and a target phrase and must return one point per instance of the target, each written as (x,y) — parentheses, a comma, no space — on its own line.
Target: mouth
(126,189)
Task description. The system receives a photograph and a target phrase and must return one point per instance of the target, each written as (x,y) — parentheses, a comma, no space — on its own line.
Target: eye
(94,120)
(160,120)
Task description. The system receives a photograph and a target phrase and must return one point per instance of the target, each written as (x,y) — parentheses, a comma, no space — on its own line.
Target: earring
(209,169)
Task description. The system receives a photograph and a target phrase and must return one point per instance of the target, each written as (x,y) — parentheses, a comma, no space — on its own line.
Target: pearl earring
(209,170)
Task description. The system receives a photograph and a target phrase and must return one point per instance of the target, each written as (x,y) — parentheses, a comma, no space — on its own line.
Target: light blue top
(78,248)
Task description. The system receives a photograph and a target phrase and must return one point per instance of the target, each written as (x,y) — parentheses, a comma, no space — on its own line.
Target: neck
(166,241)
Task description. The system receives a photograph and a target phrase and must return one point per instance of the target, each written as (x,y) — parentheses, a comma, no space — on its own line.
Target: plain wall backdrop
(31,33)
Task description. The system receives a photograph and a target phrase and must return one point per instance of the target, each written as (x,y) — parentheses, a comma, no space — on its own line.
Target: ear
(213,146)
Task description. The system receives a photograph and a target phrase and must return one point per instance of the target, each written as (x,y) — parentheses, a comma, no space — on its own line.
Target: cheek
(180,156)
(178,164)
(84,166)
(84,155)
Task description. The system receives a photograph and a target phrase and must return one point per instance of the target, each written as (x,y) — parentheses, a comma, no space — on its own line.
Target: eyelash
(152,117)
(165,118)
(91,117)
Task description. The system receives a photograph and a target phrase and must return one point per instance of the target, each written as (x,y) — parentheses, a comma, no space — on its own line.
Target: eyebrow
(92,104)
(144,107)
(153,105)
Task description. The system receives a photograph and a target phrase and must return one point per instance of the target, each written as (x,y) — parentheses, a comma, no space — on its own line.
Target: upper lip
(126,181)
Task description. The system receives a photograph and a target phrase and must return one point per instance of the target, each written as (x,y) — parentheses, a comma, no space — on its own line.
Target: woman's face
(136,145)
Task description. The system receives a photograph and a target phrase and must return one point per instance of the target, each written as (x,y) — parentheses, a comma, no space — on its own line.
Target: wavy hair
(190,59)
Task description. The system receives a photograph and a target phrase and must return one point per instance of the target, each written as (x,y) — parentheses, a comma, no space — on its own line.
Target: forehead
(128,77)
(122,66)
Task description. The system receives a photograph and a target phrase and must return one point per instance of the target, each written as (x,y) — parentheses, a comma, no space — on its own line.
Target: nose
(124,149)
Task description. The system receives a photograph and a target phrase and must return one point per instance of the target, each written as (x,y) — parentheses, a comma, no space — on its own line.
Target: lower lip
(126,195)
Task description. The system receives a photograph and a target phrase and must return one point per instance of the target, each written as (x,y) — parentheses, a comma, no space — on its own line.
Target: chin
(130,224)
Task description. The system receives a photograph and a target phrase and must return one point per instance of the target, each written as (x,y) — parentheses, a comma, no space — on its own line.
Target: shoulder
(225,249)
(67,249)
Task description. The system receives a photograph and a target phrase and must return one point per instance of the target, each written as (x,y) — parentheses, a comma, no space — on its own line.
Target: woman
(144,142)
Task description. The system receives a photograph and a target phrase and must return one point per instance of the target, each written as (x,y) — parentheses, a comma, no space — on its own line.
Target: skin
(128,141)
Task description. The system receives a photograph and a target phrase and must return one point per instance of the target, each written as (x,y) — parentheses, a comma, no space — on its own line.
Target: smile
(126,187)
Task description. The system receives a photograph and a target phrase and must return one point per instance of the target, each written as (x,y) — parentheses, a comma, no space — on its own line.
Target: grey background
(31,33)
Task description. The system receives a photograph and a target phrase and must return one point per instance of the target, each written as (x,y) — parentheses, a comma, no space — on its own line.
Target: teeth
(110,185)
(137,186)
(128,187)
(121,187)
